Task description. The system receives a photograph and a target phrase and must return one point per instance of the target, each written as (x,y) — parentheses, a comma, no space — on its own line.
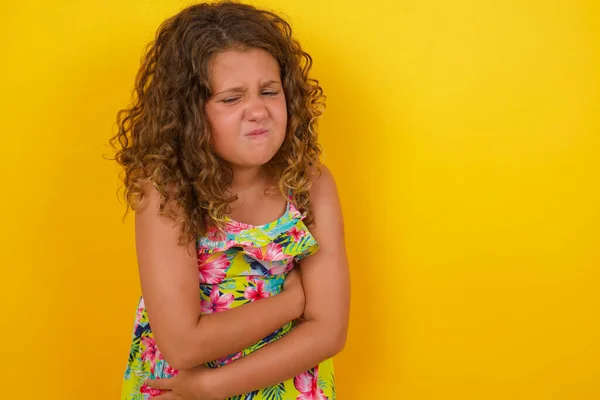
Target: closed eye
(230,100)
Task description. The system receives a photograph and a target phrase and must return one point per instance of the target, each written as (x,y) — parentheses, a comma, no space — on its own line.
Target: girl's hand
(293,286)
(190,384)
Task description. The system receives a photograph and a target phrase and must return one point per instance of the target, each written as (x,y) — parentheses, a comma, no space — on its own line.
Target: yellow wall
(465,140)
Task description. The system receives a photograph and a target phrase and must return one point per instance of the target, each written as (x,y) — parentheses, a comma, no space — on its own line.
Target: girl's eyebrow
(241,89)
(237,89)
(270,83)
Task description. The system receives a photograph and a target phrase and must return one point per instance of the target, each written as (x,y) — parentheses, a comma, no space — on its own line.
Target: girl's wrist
(218,384)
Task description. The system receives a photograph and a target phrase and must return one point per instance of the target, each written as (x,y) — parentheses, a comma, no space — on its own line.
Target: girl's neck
(248,178)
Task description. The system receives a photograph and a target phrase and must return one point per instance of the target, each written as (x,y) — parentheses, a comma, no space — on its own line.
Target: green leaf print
(144,318)
(332,383)
(275,392)
(251,395)
(140,372)
(294,247)
(135,348)
(322,383)
(229,285)
(127,372)
(247,396)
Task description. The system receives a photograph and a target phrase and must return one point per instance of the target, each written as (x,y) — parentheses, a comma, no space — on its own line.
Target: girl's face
(247,111)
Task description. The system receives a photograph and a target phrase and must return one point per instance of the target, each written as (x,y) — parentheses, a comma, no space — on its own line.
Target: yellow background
(464,136)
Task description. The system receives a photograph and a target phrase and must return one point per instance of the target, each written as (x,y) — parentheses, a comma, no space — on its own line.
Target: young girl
(221,165)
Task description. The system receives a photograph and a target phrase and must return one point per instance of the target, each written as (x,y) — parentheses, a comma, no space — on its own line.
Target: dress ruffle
(287,237)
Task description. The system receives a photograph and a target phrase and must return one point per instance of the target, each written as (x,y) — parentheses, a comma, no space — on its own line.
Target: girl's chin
(258,160)
(254,162)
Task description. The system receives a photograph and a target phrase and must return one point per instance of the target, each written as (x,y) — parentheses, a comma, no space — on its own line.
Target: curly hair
(164,136)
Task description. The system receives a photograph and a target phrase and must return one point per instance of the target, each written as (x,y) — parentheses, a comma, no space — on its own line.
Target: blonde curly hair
(164,136)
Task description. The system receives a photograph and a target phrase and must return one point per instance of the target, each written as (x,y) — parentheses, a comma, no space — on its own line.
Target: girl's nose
(256,109)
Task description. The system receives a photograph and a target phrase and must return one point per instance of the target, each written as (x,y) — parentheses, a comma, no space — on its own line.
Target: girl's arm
(169,280)
(326,282)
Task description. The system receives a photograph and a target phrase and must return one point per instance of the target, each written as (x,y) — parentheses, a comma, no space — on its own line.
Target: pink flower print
(235,357)
(212,271)
(256,293)
(151,352)
(141,307)
(151,391)
(295,212)
(280,269)
(274,252)
(271,252)
(214,234)
(170,371)
(255,252)
(228,359)
(138,317)
(296,234)
(217,303)
(234,226)
(307,383)
(140,310)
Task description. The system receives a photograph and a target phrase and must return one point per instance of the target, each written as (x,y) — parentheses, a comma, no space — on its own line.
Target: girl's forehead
(237,67)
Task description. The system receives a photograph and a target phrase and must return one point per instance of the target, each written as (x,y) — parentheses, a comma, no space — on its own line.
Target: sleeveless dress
(245,264)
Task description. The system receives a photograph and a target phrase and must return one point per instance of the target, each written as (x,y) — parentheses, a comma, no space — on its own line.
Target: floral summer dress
(247,264)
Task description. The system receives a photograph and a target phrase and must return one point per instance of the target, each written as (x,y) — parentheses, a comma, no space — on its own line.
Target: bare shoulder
(325,204)
(156,229)
(151,199)
(323,187)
